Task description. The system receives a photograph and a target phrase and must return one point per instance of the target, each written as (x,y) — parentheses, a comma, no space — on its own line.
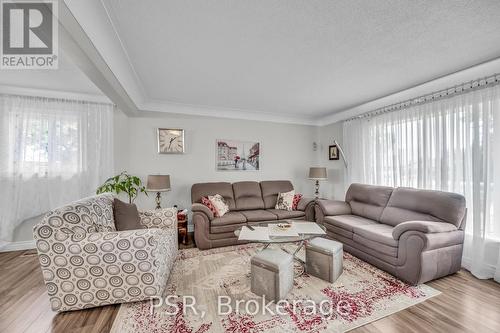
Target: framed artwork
(333,153)
(234,155)
(170,141)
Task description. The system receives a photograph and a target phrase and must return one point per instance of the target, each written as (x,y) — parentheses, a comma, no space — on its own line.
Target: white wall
(334,187)
(286,153)
(121,141)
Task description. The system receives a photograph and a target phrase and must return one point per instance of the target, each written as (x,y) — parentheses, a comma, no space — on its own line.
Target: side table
(182,230)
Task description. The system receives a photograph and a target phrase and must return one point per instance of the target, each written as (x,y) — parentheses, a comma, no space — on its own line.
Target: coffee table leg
(301,262)
(301,245)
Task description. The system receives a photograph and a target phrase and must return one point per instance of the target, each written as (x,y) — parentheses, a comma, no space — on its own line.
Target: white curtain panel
(451,144)
(52,151)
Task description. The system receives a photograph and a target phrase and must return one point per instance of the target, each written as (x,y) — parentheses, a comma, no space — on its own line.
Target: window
(52,151)
(45,145)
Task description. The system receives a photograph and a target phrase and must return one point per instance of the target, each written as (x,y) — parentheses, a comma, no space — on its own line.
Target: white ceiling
(68,78)
(293,57)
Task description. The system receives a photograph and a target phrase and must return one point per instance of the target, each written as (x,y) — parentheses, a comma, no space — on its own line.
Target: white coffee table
(298,240)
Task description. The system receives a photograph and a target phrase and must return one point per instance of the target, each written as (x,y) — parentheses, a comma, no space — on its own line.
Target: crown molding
(471,73)
(223,112)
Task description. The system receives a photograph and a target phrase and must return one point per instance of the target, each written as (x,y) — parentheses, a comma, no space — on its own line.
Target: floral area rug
(362,294)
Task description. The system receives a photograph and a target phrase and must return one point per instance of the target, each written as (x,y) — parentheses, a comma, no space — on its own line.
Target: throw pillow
(219,203)
(296,199)
(209,205)
(126,216)
(285,200)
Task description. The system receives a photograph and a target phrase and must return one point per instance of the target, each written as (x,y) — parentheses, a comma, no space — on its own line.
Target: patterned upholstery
(87,263)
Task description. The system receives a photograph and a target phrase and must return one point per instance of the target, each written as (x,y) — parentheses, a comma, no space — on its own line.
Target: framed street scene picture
(333,152)
(170,141)
(234,155)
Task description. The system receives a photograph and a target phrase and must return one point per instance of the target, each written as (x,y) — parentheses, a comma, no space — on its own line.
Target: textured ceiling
(308,58)
(67,78)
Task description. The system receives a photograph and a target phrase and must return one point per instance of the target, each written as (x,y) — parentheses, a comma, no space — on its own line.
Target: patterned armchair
(87,263)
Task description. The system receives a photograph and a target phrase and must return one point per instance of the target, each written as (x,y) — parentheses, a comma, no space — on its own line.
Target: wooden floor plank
(466,304)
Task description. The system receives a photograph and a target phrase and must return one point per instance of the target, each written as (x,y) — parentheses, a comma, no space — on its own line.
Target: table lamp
(158,184)
(317,174)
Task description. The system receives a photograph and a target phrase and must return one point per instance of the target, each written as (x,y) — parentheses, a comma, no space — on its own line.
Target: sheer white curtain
(52,151)
(451,144)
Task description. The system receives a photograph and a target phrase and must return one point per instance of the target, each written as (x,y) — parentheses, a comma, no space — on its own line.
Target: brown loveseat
(416,235)
(249,203)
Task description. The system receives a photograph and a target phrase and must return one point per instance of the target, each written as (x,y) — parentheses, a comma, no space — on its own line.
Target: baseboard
(17,246)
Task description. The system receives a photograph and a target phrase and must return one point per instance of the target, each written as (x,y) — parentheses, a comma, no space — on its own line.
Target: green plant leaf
(132,185)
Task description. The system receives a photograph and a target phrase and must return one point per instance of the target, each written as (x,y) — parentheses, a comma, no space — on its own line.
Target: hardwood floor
(465,305)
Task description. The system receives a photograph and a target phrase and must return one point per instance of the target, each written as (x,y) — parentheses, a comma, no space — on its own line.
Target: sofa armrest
(334,207)
(198,207)
(426,227)
(163,218)
(304,202)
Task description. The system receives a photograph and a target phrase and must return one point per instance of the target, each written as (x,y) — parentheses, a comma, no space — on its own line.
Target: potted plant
(123,182)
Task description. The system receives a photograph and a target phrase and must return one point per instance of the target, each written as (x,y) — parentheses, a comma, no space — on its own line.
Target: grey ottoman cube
(272,274)
(324,259)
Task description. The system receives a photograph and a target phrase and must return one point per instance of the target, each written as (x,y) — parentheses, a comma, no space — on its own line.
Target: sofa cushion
(380,233)
(287,214)
(126,216)
(285,200)
(220,205)
(374,247)
(229,218)
(367,200)
(348,222)
(258,215)
(296,199)
(270,190)
(409,204)
(330,228)
(226,229)
(247,195)
(210,206)
(373,257)
(205,189)
(427,227)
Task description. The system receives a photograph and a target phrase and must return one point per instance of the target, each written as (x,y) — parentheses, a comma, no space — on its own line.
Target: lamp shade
(317,173)
(158,183)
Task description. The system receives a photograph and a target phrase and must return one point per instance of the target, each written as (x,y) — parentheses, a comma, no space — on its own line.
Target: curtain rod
(55,98)
(431,97)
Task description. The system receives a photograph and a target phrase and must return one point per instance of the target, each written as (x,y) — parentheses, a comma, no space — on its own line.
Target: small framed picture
(170,141)
(333,152)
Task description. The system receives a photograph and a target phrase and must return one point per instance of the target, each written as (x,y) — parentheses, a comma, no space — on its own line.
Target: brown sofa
(249,203)
(416,235)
